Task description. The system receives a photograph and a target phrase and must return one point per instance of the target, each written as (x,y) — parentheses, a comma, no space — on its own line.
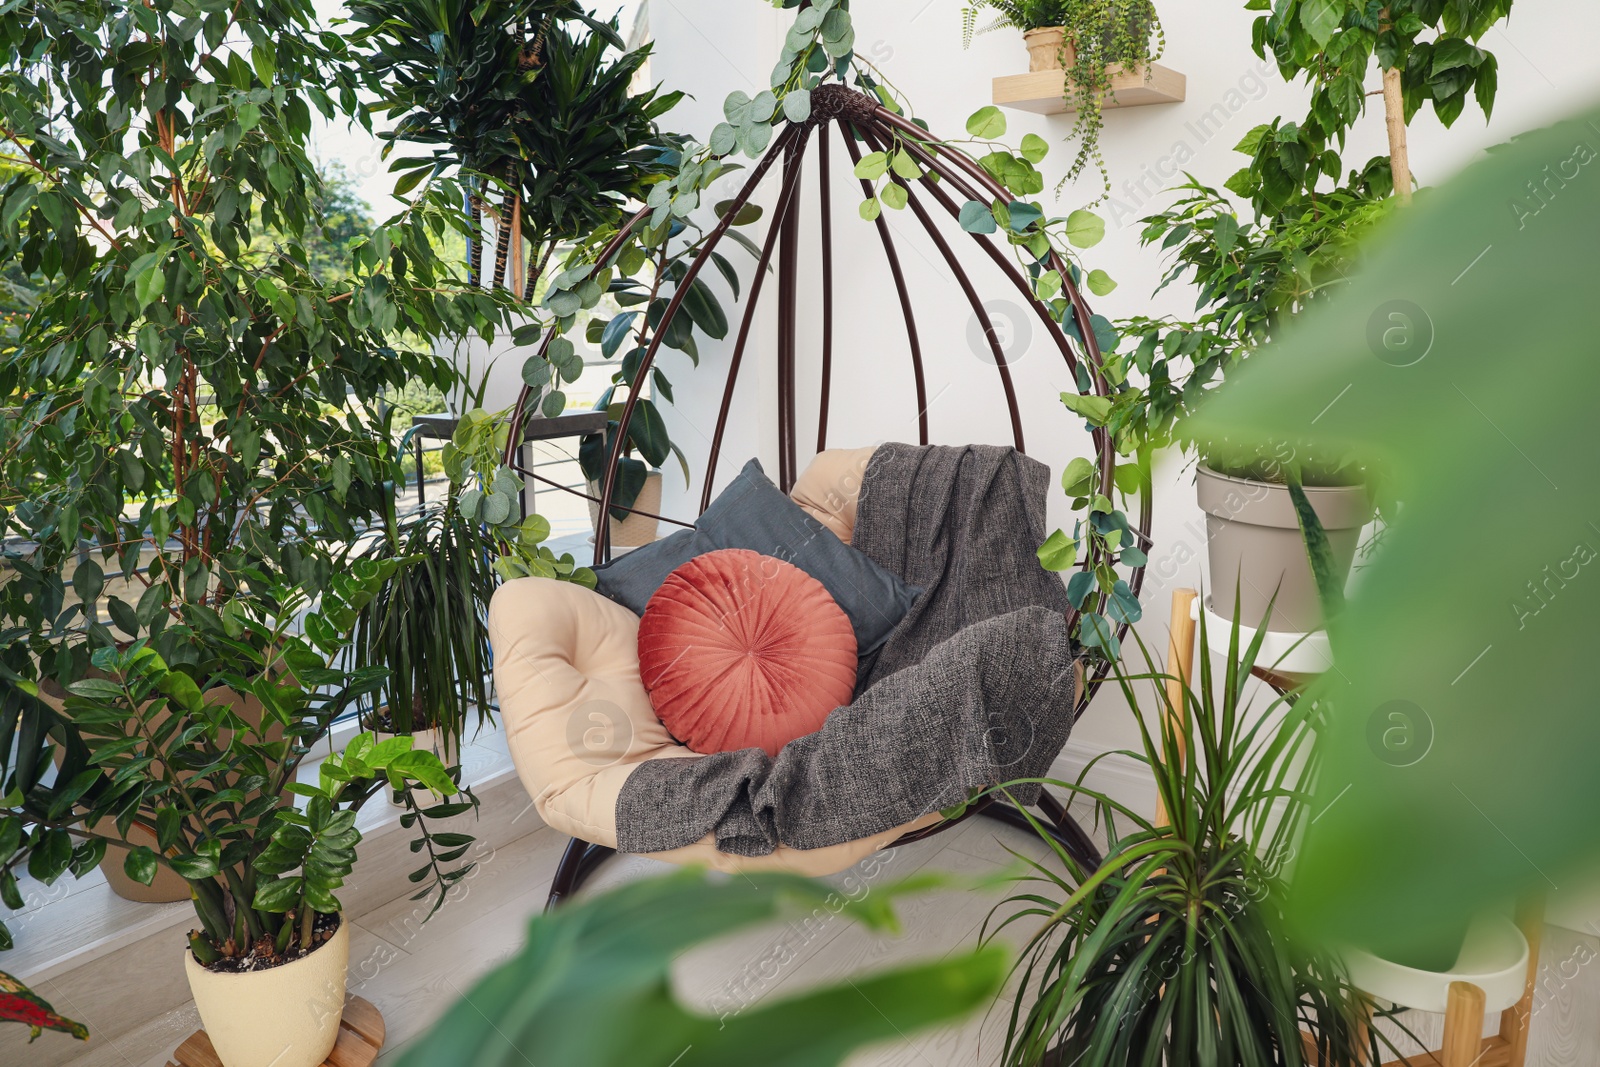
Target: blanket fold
(974,687)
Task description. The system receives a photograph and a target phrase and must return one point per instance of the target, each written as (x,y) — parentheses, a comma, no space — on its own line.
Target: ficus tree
(193,422)
(1310,210)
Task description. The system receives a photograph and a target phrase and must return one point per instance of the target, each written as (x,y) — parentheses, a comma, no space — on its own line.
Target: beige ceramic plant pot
(1048,49)
(287,1016)
(637,529)
(1254,546)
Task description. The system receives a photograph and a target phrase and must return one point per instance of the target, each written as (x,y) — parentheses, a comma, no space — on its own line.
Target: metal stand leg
(1061,827)
(578,862)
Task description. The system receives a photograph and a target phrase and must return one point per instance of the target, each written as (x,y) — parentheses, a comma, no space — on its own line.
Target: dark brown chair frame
(858,116)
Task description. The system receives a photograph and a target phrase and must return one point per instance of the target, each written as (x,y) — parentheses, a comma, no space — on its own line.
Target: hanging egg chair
(949,178)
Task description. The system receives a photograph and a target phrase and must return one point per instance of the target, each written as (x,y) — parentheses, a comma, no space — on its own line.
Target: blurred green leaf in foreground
(1465,363)
(593,984)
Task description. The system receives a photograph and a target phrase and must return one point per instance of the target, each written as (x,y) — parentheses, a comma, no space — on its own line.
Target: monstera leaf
(19,1004)
(593,986)
(1465,366)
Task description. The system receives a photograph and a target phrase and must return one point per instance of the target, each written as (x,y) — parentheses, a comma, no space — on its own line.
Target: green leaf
(893,196)
(1058,553)
(905,165)
(705,311)
(987,123)
(1085,229)
(870,208)
(279,895)
(977,218)
(613,953)
(141,865)
(872,166)
(1101,283)
(1321,18)
(1034,148)
(1080,478)
(1095,409)
(797,105)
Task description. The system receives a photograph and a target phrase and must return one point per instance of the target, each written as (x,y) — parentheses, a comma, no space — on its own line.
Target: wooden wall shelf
(1040,91)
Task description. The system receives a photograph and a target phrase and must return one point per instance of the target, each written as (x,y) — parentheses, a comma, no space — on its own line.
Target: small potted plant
(1085,39)
(217,799)
(1255,536)
(427,625)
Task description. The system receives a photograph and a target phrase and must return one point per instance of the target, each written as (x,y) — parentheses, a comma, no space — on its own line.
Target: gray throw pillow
(754,514)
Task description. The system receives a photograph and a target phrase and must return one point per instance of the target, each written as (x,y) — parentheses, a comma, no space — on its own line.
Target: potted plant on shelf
(1176,947)
(219,797)
(1089,41)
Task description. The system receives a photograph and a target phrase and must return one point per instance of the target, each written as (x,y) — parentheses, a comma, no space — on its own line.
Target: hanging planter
(1258,555)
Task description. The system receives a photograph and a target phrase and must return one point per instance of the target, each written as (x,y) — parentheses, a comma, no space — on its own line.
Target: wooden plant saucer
(361,1035)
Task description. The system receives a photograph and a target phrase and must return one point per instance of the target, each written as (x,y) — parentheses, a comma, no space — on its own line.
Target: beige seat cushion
(578,720)
(828,488)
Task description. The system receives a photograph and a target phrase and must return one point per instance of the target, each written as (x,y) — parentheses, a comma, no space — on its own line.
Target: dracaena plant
(207,782)
(1176,950)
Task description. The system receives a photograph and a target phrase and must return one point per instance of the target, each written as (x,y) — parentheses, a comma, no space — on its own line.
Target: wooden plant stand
(361,1035)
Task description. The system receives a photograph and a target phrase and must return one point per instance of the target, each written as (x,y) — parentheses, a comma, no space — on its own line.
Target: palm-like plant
(587,143)
(1175,951)
(451,74)
(427,623)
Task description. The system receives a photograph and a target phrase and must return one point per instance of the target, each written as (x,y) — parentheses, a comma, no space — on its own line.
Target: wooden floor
(413,970)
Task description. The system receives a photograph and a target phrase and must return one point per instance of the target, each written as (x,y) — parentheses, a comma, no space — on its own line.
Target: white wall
(712,47)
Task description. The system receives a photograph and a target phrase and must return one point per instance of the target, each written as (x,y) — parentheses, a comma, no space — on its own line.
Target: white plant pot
(287,1016)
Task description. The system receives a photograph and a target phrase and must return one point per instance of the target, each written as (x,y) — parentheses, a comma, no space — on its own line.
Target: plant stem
(1394,112)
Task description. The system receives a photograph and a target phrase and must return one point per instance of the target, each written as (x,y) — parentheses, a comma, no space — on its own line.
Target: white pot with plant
(226,810)
(1256,538)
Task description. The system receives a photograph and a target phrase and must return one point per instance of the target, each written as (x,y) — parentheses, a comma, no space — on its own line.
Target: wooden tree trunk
(518,254)
(502,252)
(475,243)
(1394,110)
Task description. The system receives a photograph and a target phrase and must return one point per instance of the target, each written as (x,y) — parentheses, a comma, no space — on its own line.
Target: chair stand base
(581,858)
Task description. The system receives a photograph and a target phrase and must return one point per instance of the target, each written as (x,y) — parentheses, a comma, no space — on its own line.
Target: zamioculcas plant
(219,792)
(1175,950)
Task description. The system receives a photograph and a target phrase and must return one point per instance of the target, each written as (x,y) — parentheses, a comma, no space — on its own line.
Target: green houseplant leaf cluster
(1311,211)
(213,789)
(593,984)
(1477,658)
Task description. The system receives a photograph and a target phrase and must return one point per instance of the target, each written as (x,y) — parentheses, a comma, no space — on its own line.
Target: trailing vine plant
(818,48)
(1097,36)
(1302,239)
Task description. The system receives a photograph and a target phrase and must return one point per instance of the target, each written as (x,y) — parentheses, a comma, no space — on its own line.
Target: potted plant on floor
(1085,39)
(1175,950)
(222,801)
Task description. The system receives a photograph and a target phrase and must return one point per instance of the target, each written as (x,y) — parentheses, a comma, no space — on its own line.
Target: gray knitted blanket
(972,689)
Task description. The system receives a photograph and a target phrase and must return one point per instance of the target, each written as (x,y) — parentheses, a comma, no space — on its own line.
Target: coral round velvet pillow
(740,650)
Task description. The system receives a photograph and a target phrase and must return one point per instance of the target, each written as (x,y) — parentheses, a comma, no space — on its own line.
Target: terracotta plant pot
(285,1016)
(636,530)
(1048,49)
(1255,548)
